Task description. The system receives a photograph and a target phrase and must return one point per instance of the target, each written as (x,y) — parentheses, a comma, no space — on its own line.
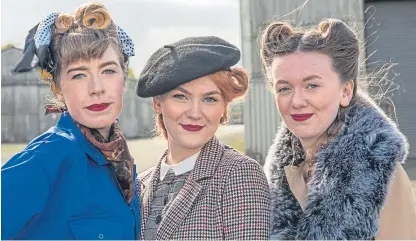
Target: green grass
(12,147)
(138,150)
(8,150)
(147,152)
(237,144)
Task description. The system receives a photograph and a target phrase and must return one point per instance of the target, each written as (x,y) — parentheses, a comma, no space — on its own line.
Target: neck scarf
(116,151)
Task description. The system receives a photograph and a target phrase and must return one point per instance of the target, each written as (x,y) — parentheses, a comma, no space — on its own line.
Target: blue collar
(66,123)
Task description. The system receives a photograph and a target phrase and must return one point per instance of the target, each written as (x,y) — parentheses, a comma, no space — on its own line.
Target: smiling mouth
(98,107)
(192,128)
(301,117)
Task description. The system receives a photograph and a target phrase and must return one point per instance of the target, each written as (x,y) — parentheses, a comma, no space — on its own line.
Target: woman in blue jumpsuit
(75,181)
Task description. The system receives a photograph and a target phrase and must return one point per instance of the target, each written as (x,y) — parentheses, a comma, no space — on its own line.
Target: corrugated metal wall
(22,113)
(260,115)
(392,37)
(137,117)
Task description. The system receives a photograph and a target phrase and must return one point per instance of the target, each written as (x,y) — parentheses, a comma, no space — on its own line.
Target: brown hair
(233,84)
(83,35)
(334,38)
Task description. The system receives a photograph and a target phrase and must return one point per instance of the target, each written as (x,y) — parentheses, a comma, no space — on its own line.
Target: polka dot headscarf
(43,34)
(127,44)
(42,39)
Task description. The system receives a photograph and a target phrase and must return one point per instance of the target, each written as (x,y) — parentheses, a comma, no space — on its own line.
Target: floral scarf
(117,154)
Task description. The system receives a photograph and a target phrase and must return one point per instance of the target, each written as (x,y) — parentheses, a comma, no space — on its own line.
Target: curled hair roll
(64,22)
(93,15)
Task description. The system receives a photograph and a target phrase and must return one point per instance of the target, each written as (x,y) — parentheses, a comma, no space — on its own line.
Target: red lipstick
(192,128)
(301,117)
(98,107)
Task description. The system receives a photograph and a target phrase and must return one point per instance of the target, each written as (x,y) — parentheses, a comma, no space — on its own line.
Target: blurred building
(389,36)
(236,111)
(22,105)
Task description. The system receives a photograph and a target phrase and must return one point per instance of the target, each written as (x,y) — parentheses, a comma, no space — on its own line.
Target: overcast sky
(150,23)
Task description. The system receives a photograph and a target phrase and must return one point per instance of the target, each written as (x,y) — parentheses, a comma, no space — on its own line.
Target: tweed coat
(226,196)
(349,187)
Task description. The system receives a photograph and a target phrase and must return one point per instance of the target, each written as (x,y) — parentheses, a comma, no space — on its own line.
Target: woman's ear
(347,93)
(58,93)
(156,104)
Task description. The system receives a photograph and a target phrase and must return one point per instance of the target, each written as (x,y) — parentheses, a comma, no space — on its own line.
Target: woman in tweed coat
(200,188)
(335,167)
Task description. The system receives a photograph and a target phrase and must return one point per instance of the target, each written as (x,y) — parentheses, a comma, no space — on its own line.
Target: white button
(100,236)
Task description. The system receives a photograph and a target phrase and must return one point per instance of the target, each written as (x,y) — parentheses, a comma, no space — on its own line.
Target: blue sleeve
(25,188)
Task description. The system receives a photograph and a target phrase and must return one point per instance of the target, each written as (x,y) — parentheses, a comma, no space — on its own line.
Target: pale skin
(90,82)
(198,102)
(305,83)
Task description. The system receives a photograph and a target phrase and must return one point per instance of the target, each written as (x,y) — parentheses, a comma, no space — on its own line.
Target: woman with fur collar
(334,169)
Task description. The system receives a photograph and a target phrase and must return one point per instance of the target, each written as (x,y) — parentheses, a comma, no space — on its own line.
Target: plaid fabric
(165,192)
(226,196)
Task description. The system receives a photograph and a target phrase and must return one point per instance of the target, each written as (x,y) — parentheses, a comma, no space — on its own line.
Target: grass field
(147,152)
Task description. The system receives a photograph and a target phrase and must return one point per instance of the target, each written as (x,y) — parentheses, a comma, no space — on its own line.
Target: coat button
(100,236)
(158,219)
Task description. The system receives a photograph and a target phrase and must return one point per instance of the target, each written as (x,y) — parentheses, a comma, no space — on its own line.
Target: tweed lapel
(208,160)
(205,167)
(149,185)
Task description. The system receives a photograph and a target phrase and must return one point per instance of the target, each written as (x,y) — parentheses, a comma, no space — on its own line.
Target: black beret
(184,61)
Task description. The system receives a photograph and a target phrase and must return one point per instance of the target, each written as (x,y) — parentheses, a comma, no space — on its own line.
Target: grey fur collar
(349,187)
